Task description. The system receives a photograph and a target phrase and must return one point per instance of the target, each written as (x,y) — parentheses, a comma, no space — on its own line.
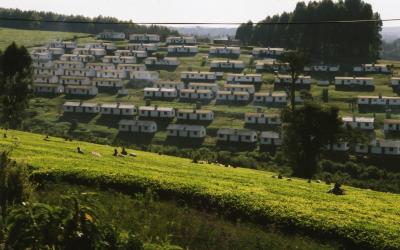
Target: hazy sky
(182,10)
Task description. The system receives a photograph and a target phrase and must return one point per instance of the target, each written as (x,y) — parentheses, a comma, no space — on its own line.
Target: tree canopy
(350,42)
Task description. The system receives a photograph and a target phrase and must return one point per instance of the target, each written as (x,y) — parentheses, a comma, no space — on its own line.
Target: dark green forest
(328,42)
(77,23)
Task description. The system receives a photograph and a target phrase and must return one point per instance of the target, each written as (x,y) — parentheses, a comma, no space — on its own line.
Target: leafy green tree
(16,77)
(244,32)
(296,60)
(307,130)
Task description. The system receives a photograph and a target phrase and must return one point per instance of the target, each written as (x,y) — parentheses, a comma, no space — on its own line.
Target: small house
(69,65)
(338,146)
(188,40)
(271,66)
(80,90)
(244,78)
(48,79)
(274,98)
(80,72)
(72,107)
(156,112)
(186,131)
(262,119)
(182,50)
(195,115)
(364,123)
(287,79)
(144,38)
(225,51)
(41,88)
(43,57)
(137,126)
(114,83)
(236,135)
(135,53)
(232,96)
(190,76)
(74,80)
(240,88)
(270,138)
(111,73)
(101,66)
(151,76)
(77,58)
(131,67)
(111,35)
(354,81)
(169,85)
(91,108)
(373,68)
(119,109)
(322,68)
(391,125)
(234,65)
(161,62)
(196,94)
(203,86)
(160,93)
(149,47)
(268,52)
(119,59)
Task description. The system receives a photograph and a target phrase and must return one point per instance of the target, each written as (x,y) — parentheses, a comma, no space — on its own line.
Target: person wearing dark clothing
(115,152)
(336,190)
(123,152)
(79,150)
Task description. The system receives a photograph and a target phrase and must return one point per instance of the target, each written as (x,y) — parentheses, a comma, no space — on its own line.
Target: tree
(296,60)
(16,77)
(307,130)
(244,33)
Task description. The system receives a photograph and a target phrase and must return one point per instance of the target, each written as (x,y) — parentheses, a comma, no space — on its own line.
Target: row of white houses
(378,101)
(373,68)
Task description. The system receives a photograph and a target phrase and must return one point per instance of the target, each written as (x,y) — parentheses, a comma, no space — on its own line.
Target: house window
(247,137)
(194,132)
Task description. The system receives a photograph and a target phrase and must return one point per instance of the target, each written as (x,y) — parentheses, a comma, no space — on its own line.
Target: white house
(354,81)
(225,51)
(234,96)
(156,112)
(144,38)
(151,76)
(227,65)
(270,138)
(271,66)
(80,72)
(119,59)
(150,47)
(160,93)
(92,108)
(182,49)
(236,135)
(196,94)
(48,71)
(115,83)
(268,52)
(385,147)
(287,79)
(77,58)
(111,35)
(244,78)
(47,88)
(240,88)
(74,80)
(136,53)
(338,146)
(169,85)
(274,98)
(80,90)
(111,73)
(63,44)
(69,65)
(100,66)
(89,51)
(137,126)
(72,107)
(373,68)
(365,123)
(57,51)
(45,56)
(198,76)
(391,125)
(131,67)
(48,79)
(263,119)
(161,62)
(395,81)
(322,68)
(42,64)
(379,101)
(203,86)
(189,40)
(186,131)
(195,115)
(117,109)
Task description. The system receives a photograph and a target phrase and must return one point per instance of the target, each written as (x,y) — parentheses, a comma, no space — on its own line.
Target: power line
(200,23)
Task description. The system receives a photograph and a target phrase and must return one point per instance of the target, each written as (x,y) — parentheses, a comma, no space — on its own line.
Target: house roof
(253,114)
(275,94)
(197,111)
(89,105)
(72,104)
(230,131)
(200,91)
(185,127)
(151,108)
(358,119)
(269,134)
(236,86)
(107,79)
(137,123)
(391,121)
(354,77)
(240,75)
(79,87)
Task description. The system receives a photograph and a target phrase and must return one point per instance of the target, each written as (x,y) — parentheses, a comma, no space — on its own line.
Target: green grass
(363,217)
(35,37)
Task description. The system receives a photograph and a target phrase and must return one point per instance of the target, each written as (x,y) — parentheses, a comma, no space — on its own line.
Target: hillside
(30,38)
(363,217)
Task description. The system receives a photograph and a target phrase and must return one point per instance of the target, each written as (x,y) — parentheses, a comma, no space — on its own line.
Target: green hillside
(363,217)
(34,37)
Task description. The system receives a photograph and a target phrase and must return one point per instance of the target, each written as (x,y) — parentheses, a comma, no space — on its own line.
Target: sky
(182,10)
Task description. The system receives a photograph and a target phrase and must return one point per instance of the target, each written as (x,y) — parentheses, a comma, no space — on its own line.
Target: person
(123,152)
(46,138)
(336,190)
(5,135)
(115,152)
(79,150)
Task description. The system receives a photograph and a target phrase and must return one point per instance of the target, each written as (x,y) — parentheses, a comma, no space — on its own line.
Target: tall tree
(16,77)
(245,32)
(296,60)
(307,130)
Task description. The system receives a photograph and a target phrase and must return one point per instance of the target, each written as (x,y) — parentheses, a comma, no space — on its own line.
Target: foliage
(307,131)
(391,50)
(362,217)
(107,23)
(16,77)
(357,42)
(244,33)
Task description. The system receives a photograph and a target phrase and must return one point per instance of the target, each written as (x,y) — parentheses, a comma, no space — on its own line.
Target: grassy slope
(361,216)
(33,37)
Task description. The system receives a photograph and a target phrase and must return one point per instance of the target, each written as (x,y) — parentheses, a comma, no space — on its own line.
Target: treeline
(349,42)
(391,50)
(86,25)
